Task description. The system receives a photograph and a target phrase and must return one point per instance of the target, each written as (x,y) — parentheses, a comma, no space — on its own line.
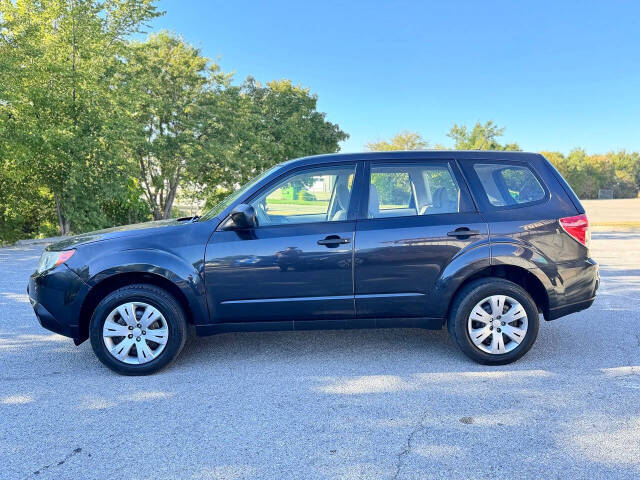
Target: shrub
(306,196)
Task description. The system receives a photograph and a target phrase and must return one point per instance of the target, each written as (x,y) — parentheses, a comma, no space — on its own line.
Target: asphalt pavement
(371,404)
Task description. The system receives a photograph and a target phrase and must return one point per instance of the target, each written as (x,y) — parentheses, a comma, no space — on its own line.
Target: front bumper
(56,297)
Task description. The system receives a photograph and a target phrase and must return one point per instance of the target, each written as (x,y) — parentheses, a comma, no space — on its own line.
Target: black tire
(162,301)
(467,299)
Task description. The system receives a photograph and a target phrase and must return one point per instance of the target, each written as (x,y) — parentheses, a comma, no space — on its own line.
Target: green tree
(481,137)
(174,90)
(61,105)
(392,187)
(587,174)
(627,173)
(404,140)
(26,209)
(258,126)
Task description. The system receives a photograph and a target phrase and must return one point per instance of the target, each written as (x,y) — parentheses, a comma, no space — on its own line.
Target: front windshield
(215,211)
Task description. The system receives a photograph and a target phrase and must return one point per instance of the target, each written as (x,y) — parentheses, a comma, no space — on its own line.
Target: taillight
(577,227)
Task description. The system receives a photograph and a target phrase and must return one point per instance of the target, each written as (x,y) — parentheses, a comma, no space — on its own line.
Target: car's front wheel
(137,329)
(494,321)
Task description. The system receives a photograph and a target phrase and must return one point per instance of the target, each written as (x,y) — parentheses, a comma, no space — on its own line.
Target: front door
(419,217)
(297,265)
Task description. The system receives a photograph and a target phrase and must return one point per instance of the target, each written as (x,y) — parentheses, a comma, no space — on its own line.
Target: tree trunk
(63,221)
(171,194)
(152,197)
(168,204)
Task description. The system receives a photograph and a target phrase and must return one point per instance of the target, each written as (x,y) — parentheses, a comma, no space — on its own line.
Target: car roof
(399,155)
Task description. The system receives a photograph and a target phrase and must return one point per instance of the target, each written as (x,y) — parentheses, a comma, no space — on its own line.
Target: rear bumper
(56,297)
(579,284)
(570,308)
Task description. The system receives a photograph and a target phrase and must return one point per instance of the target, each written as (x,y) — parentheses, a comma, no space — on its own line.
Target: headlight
(50,260)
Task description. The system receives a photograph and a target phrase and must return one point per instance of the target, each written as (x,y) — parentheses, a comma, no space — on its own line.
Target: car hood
(146,228)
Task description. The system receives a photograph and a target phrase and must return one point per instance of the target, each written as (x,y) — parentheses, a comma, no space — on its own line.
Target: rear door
(418,217)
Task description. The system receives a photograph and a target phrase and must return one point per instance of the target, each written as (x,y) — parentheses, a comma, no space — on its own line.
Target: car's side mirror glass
(242,217)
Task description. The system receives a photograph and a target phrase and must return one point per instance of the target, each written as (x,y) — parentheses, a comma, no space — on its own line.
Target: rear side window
(394,188)
(507,185)
(412,190)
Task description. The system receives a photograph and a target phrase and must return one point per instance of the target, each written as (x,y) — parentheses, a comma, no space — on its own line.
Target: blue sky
(556,74)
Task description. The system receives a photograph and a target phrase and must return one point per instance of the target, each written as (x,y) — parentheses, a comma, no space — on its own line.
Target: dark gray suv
(483,242)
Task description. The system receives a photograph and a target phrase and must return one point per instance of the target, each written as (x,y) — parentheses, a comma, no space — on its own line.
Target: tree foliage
(97,129)
(588,174)
(259,126)
(404,140)
(60,97)
(480,137)
(173,107)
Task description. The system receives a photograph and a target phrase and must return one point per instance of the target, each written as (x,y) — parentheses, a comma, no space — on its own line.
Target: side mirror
(242,217)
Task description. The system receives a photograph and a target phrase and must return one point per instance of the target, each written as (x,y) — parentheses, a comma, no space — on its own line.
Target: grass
(616,224)
(279,201)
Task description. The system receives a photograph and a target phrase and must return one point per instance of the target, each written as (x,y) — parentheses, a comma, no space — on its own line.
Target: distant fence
(188,209)
(605,193)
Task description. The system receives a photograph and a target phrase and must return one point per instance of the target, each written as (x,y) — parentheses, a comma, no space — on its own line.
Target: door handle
(463,232)
(333,241)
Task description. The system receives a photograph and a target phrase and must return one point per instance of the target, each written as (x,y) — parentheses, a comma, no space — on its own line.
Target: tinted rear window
(507,184)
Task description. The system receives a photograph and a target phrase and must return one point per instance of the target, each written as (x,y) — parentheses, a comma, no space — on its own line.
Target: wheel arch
(108,284)
(523,277)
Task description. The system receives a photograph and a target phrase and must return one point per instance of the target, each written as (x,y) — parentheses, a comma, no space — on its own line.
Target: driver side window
(313,195)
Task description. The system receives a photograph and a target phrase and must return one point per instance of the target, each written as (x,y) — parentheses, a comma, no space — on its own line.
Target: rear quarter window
(509,185)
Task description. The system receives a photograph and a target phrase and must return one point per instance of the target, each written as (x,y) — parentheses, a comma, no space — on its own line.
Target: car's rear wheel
(137,329)
(494,321)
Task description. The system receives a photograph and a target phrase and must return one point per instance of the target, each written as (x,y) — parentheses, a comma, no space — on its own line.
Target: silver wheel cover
(497,324)
(135,333)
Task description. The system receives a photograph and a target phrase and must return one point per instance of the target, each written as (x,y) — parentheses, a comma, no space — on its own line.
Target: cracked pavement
(402,404)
